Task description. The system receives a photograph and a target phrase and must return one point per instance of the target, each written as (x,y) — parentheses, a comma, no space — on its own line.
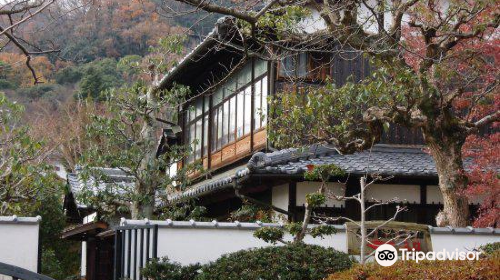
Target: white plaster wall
(385,192)
(434,196)
(304,188)
(192,245)
(202,242)
(19,245)
(280,197)
(462,242)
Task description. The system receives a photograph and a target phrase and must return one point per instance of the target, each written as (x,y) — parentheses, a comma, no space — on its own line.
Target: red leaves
(484,180)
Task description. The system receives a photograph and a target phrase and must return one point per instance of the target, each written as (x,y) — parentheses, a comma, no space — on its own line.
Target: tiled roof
(113,176)
(211,38)
(252,226)
(20,220)
(382,160)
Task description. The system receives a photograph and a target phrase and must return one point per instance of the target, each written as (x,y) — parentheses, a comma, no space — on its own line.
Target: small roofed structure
(75,209)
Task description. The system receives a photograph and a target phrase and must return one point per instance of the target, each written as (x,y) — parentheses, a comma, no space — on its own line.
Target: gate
(135,245)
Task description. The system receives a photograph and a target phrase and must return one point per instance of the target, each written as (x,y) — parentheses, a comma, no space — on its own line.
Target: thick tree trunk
(143,208)
(145,187)
(452,181)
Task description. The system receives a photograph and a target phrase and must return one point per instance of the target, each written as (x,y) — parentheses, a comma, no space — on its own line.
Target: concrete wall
(462,242)
(202,242)
(304,188)
(19,242)
(193,242)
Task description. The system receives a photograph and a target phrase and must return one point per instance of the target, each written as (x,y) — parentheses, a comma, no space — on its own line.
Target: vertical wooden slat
(141,252)
(115,256)
(148,233)
(155,242)
(129,253)
(135,255)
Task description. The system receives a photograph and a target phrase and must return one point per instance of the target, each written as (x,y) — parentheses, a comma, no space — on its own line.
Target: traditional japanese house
(227,115)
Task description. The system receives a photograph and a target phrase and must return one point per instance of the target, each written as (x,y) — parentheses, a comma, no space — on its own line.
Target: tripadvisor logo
(387,255)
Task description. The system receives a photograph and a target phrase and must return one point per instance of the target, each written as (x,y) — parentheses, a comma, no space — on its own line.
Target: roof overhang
(84,231)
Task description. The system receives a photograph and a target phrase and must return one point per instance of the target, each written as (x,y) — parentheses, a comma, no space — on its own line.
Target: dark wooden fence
(135,245)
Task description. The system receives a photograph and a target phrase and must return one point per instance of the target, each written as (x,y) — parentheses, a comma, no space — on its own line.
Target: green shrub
(6,84)
(68,75)
(36,91)
(291,262)
(483,269)
(491,250)
(168,270)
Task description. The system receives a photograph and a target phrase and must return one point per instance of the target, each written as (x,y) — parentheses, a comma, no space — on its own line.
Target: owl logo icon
(386,255)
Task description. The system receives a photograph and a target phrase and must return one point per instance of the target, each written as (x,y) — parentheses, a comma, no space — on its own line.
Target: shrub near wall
(484,269)
(291,262)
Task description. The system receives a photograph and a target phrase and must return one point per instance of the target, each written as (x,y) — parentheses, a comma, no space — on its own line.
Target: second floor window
(225,116)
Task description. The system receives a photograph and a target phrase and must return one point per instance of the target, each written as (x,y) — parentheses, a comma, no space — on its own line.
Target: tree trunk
(364,241)
(145,187)
(452,181)
(143,208)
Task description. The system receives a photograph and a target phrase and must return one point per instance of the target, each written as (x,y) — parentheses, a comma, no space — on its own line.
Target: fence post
(155,241)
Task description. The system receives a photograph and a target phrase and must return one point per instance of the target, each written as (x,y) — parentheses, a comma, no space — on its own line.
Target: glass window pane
(287,67)
(192,137)
(217,97)
(240,110)
(260,67)
(199,106)
(232,118)
(245,75)
(205,136)
(214,131)
(257,103)
(198,138)
(302,69)
(248,110)
(219,128)
(264,100)
(207,104)
(225,123)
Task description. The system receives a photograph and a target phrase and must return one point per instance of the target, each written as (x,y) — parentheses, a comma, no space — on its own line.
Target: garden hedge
(483,269)
(291,262)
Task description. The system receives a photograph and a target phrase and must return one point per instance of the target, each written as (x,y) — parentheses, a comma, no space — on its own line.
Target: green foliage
(167,270)
(252,213)
(166,50)
(98,77)
(491,250)
(293,228)
(315,199)
(130,66)
(269,234)
(28,187)
(323,173)
(118,140)
(60,257)
(6,84)
(322,230)
(334,115)
(291,262)
(484,269)
(36,91)
(68,75)
(187,210)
